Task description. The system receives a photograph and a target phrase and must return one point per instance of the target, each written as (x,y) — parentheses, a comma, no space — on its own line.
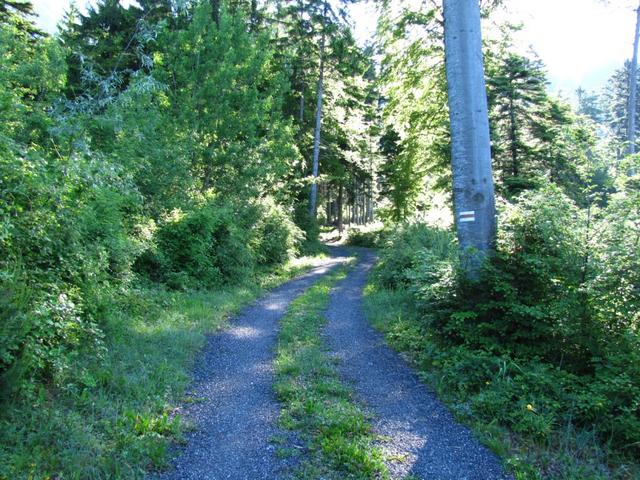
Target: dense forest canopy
(189,145)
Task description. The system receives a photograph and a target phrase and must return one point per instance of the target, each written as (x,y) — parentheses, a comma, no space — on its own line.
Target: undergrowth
(117,415)
(315,403)
(528,357)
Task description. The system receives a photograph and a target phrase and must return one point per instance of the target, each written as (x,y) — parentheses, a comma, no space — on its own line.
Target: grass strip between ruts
(315,402)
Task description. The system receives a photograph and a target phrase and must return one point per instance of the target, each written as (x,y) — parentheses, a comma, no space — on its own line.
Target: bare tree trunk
(359,204)
(633,89)
(301,79)
(329,208)
(316,138)
(363,193)
(352,217)
(255,20)
(340,199)
(370,201)
(474,201)
(355,202)
(215,11)
(301,110)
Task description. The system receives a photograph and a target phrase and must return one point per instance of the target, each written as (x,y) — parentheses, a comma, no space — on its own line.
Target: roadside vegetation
(116,411)
(528,355)
(152,180)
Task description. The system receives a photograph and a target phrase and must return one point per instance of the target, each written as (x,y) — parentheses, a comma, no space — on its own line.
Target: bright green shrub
(205,247)
(529,301)
(310,227)
(220,243)
(404,250)
(275,237)
(364,237)
(548,339)
(65,244)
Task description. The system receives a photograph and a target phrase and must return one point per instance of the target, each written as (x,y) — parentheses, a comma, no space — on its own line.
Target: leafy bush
(364,237)
(220,243)
(547,339)
(276,237)
(404,249)
(310,227)
(205,247)
(65,242)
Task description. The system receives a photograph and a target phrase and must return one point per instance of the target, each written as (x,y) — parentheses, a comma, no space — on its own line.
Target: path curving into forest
(235,410)
(417,430)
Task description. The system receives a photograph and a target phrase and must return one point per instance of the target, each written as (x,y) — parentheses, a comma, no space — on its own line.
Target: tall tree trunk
(301,74)
(329,207)
(513,140)
(352,216)
(633,89)
(355,201)
(255,20)
(340,200)
(363,211)
(215,11)
(301,108)
(473,193)
(316,137)
(370,202)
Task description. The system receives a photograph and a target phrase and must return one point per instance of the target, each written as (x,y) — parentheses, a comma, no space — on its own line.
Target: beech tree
(473,192)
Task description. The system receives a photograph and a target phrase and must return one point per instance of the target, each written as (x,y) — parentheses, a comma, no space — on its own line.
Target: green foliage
(310,227)
(205,247)
(415,143)
(220,243)
(615,103)
(402,176)
(227,102)
(535,137)
(113,410)
(404,251)
(145,141)
(368,237)
(276,238)
(545,345)
(65,235)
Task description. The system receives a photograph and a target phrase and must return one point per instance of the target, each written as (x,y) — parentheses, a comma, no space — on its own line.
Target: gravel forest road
(235,415)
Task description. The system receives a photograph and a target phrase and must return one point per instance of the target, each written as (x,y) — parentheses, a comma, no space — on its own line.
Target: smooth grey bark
(340,206)
(316,137)
(473,191)
(301,106)
(633,89)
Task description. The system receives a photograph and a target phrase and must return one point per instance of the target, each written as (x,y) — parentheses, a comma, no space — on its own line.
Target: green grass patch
(315,402)
(119,411)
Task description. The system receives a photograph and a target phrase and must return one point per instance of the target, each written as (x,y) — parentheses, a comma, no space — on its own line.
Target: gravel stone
(235,412)
(417,431)
(235,416)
